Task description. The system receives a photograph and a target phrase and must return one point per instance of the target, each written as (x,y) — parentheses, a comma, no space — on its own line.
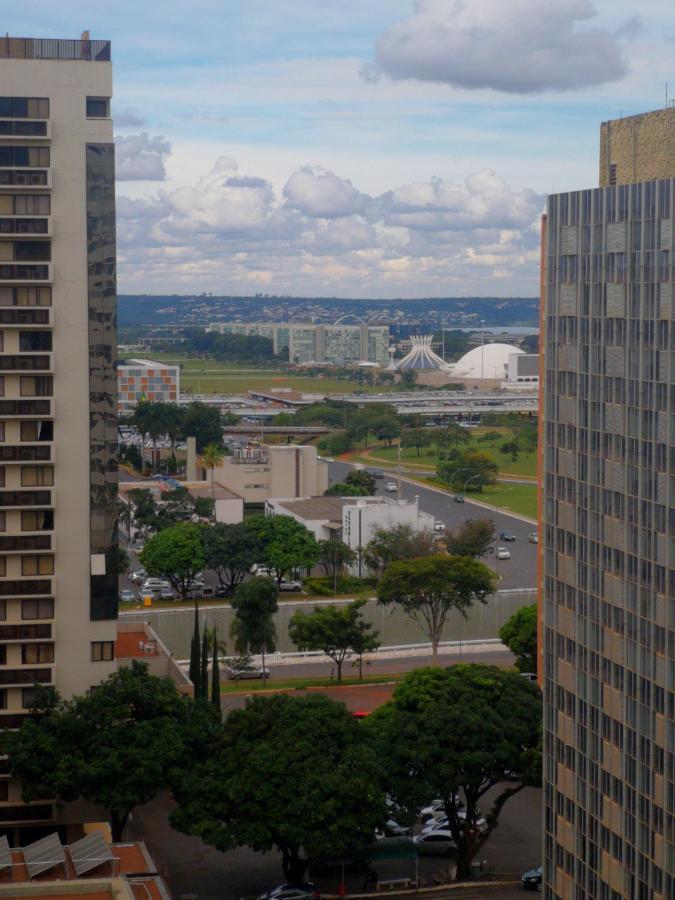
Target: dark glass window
(102,651)
(98,107)
(35,340)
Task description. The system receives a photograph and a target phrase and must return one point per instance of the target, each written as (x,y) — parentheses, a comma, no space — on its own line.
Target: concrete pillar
(191,466)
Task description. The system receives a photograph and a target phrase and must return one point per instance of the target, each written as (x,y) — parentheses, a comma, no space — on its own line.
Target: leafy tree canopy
(254,604)
(520,636)
(114,747)
(293,773)
(336,630)
(459,733)
(202,422)
(230,550)
(335,556)
(284,543)
(473,538)
(398,543)
(470,467)
(175,554)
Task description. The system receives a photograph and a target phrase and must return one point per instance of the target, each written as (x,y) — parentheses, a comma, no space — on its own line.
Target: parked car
(246,672)
(391,487)
(304,891)
(506,536)
(285,585)
(458,498)
(392,829)
(154,584)
(503,553)
(261,571)
(128,596)
(139,576)
(529,676)
(532,879)
(439,527)
(436,808)
(222,592)
(533,537)
(441,823)
(438,842)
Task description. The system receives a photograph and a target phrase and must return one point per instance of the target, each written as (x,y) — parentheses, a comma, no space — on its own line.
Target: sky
(356,148)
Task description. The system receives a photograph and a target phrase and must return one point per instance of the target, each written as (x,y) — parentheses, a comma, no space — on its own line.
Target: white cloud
(140,157)
(523,46)
(320,234)
(127,118)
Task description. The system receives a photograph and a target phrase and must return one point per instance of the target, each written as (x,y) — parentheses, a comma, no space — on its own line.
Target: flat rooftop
(195,488)
(134,645)
(54,48)
(142,363)
(329,508)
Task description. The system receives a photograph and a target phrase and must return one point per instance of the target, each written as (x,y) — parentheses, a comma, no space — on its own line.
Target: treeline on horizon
(156,309)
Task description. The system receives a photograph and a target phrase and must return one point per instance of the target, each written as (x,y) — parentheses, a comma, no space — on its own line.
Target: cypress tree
(204,669)
(215,674)
(194,654)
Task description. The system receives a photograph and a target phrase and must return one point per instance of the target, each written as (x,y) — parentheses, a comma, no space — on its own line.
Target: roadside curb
(430,891)
(498,509)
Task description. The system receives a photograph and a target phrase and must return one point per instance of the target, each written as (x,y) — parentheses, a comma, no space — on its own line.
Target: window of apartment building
(3,565)
(31,251)
(25,205)
(37,565)
(27,697)
(36,476)
(36,386)
(24,108)
(3,654)
(2,432)
(31,157)
(37,653)
(3,521)
(25,296)
(102,651)
(42,608)
(98,107)
(3,700)
(2,476)
(37,520)
(37,431)
(3,610)
(30,341)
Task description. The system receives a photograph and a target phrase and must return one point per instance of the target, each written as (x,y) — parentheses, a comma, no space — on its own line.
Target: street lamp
(471,478)
(456,472)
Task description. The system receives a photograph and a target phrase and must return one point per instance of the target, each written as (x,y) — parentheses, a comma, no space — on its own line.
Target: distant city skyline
(387,149)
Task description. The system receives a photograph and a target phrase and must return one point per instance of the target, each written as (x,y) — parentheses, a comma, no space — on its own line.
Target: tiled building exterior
(143,379)
(608,542)
(58,425)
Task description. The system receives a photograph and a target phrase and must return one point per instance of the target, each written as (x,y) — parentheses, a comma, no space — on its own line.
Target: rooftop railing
(53,48)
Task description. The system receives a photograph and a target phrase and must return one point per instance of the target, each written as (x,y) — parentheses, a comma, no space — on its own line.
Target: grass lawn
(517,498)
(525,465)
(205,376)
(299,684)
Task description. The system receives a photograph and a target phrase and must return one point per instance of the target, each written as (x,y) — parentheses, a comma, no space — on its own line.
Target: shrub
(345,584)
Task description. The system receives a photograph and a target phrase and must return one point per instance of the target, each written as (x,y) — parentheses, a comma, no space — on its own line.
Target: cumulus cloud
(321,194)
(139,157)
(231,231)
(523,46)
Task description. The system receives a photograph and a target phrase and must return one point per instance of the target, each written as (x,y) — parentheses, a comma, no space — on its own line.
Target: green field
(204,376)
(511,497)
(524,466)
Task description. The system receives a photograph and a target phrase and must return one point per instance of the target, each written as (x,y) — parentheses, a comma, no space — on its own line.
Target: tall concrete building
(58,581)
(608,523)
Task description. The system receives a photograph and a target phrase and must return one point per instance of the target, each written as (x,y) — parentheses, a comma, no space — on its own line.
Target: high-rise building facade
(58,471)
(608,541)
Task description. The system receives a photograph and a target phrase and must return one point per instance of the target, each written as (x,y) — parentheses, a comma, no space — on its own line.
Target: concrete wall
(291,471)
(174,626)
(641,147)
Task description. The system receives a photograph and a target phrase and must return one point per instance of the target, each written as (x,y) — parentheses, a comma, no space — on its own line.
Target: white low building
(353,520)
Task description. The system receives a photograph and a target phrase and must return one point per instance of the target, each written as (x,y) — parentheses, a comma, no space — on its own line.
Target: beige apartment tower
(58,471)
(608,523)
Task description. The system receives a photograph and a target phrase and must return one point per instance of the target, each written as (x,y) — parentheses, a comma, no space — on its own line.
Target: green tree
(520,636)
(230,550)
(417,438)
(510,448)
(291,773)
(143,509)
(470,467)
(195,659)
(460,733)
(346,489)
(204,665)
(398,543)
(408,380)
(204,507)
(473,538)
(253,630)
(203,423)
(364,479)
(140,419)
(114,747)
(334,557)
(338,631)
(428,589)
(212,457)
(285,543)
(215,674)
(175,554)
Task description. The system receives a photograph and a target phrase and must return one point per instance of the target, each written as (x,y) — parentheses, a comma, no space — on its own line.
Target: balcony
(10,362)
(42,631)
(18,315)
(27,409)
(36,129)
(26,587)
(24,497)
(24,543)
(54,48)
(24,677)
(19,273)
(26,226)
(20,453)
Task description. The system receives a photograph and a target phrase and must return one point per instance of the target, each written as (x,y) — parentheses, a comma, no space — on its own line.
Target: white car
(533,537)
(434,842)
(139,576)
(128,596)
(439,527)
(441,823)
(294,586)
(391,487)
(503,553)
(155,584)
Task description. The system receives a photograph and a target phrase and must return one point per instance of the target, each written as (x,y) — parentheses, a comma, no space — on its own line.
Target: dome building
(486,363)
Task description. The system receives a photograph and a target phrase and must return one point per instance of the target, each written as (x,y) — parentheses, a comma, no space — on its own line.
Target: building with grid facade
(608,539)
(58,406)
(143,379)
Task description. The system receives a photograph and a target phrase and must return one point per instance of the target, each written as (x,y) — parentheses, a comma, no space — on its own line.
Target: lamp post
(470,479)
(456,472)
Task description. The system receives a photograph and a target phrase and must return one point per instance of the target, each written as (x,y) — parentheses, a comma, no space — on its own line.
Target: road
(518,572)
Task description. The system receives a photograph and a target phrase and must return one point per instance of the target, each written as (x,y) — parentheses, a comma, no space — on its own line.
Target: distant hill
(188,309)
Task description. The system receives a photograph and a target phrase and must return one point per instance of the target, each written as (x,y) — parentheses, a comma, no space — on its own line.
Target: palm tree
(212,457)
